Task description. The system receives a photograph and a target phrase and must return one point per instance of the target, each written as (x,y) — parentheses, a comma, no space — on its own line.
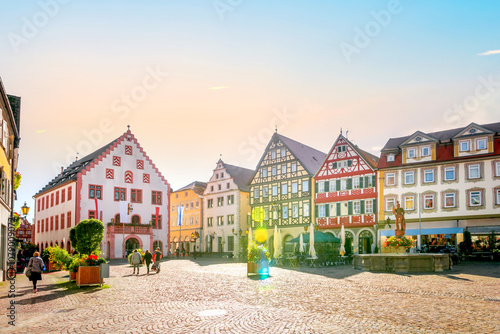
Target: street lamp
(306,227)
(25,209)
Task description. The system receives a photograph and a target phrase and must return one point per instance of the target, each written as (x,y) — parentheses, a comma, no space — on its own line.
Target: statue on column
(399,213)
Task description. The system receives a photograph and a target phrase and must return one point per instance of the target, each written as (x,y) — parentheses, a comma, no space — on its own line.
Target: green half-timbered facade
(282,185)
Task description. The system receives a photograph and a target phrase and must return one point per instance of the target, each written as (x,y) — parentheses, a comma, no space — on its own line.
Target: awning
(425,231)
(483,230)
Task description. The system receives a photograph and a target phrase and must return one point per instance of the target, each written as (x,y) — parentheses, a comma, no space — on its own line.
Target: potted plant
(258,259)
(397,244)
(72,267)
(89,270)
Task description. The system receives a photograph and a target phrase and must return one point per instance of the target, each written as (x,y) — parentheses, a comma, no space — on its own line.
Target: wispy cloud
(491,52)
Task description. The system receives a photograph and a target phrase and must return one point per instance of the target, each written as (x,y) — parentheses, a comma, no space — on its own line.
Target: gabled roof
(71,172)
(242,176)
(309,157)
(417,138)
(442,136)
(196,186)
(473,130)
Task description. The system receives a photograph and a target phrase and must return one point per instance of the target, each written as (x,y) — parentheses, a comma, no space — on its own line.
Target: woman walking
(147,258)
(37,266)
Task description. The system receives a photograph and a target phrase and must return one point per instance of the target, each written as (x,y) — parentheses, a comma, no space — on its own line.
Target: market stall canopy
(320,237)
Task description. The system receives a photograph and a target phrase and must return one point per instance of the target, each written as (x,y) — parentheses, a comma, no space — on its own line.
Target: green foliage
(89,234)
(396,242)
(129,257)
(257,252)
(16,221)
(72,237)
(30,247)
(74,263)
(467,242)
(58,256)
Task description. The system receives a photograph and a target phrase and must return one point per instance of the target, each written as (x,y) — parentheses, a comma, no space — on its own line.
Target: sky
(199,79)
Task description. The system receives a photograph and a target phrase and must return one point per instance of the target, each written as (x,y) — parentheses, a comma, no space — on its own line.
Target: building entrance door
(130,245)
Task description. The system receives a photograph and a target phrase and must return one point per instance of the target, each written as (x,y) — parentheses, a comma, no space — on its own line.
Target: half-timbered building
(346,194)
(118,184)
(281,186)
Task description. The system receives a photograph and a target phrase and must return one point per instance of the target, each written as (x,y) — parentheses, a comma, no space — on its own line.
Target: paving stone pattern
(210,296)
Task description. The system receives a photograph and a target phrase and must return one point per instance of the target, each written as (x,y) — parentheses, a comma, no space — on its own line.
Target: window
(230,219)
(192,205)
(426,151)
(273,154)
(369,206)
(283,152)
(156,223)
(285,212)
(220,220)
(410,203)
(136,195)
(321,187)
(230,199)
(266,213)
(321,210)
(264,172)
(390,157)
(95,191)
(275,190)
(449,173)
(389,203)
(481,144)
(265,191)
(51,200)
(283,169)
(256,193)
(497,196)
(332,185)
(390,179)
(475,198)
(294,167)
(428,175)
(63,195)
(220,201)
(220,187)
(341,148)
(474,171)
(210,203)
(411,152)
(274,171)
(210,221)
(217,176)
(333,209)
(57,222)
(120,194)
(145,178)
(211,188)
(128,150)
(450,200)
(295,210)
(305,209)
(409,177)
(38,205)
(196,220)
(228,185)
(62,221)
(51,223)
(92,214)
(156,197)
(497,168)
(464,146)
(305,185)
(117,161)
(355,183)
(356,207)
(140,164)
(295,187)
(429,201)
(68,220)
(275,212)
(197,204)
(343,184)
(129,177)
(57,197)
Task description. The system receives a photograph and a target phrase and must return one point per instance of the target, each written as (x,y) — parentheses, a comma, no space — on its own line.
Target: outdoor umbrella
(319,237)
(276,241)
(312,251)
(342,241)
(249,236)
(301,244)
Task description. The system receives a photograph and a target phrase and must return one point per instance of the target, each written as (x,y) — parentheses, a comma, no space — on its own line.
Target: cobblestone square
(210,296)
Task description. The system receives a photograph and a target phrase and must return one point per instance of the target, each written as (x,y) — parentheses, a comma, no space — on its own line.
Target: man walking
(156,259)
(136,260)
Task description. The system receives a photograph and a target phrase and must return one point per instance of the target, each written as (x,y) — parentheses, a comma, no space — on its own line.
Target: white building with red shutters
(346,194)
(118,184)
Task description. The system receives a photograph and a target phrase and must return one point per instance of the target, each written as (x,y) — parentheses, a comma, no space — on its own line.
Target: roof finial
(347,134)
(276,128)
(340,130)
(128,126)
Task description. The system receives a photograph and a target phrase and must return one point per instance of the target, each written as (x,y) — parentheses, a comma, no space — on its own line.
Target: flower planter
(88,276)
(392,249)
(72,276)
(52,267)
(252,268)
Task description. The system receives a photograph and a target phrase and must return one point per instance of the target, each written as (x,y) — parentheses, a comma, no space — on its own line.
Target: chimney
(62,169)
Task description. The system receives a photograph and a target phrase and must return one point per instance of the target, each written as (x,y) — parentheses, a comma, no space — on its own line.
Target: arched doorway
(365,242)
(136,220)
(68,246)
(130,245)
(349,241)
(117,218)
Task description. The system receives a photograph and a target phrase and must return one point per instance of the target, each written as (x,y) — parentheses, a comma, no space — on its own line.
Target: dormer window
(390,157)
(426,151)
(481,144)
(411,153)
(464,146)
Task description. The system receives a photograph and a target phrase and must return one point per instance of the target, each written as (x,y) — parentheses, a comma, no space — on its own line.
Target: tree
(89,234)
(72,237)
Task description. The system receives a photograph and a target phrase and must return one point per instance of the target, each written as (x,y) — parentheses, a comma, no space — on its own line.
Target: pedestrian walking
(36,266)
(183,252)
(156,259)
(177,251)
(147,258)
(136,260)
